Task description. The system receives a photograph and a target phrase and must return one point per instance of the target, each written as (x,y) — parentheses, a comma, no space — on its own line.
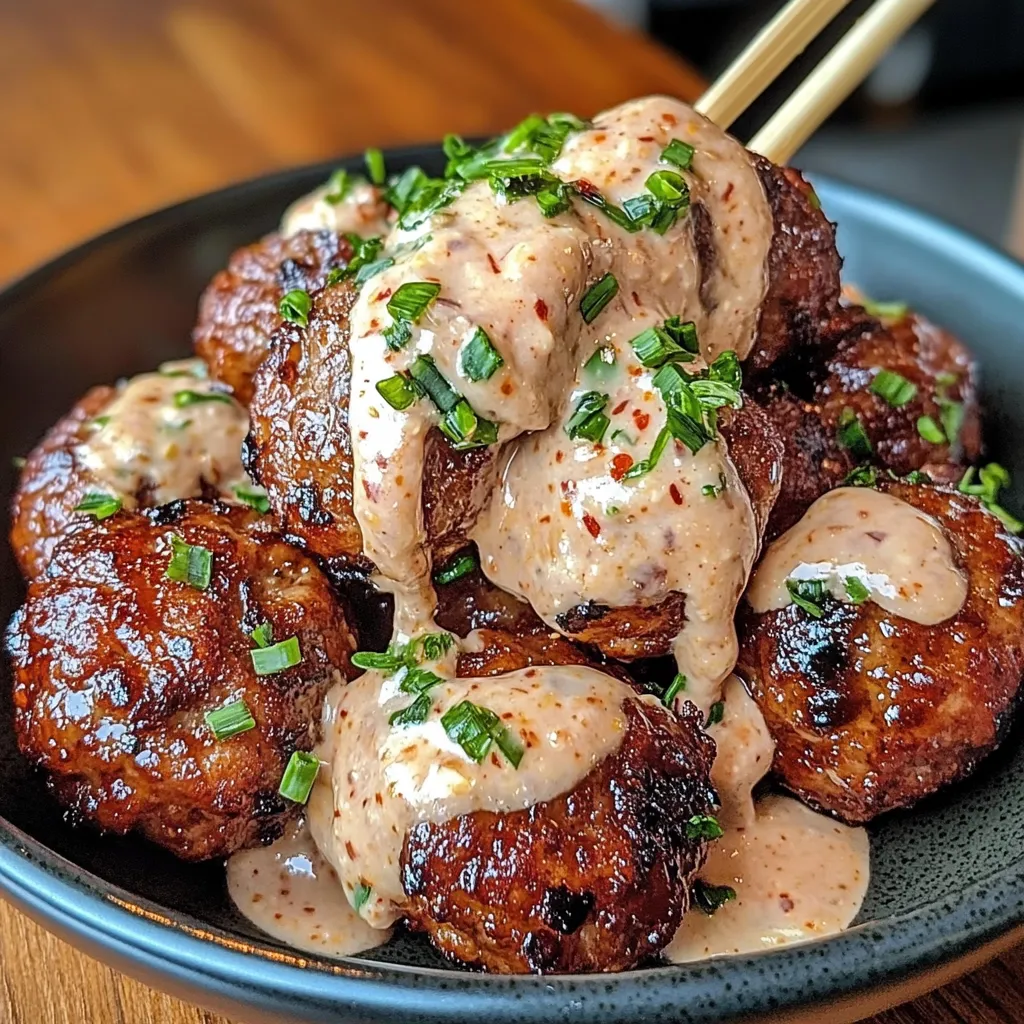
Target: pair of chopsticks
(839,73)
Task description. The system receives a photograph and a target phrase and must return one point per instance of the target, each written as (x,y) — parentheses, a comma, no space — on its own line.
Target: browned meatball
(116,665)
(132,443)
(300,450)
(870,711)
(595,880)
(474,602)
(639,631)
(238,312)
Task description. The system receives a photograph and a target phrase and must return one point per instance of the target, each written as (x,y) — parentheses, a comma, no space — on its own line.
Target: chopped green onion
(710,898)
(861,476)
(375,166)
(930,430)
(597,296)
(397,335)
(425,372)
(623,437)
(435,645)
(455,568)
(684,333)
(268,661)
(100,421)
(479,358)
(553,199)
(368,270)
(294,307)
(190,563)
(398,391)
(299,777)
(465,429)
(338,186)
(100,506)
(655,346)
(476,729)
(714,490)
(676,687)
(230,720)
(679,153)
(993,478)
(263,634)
(668,186)
(886,310)
(644,466)
(951,416)
(254,497)
(808,595)
(364,252)
(360,896)
(414,713)
(704,826)
(851,434)
(855,590)
(716,713)
(182,399)
(588,419)
(916,476)
(411,299)
(893,388)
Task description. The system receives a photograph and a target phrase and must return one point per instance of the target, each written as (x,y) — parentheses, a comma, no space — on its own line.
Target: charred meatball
(595,880)
(300,449)
(155,438)
(871,711)
(116,666)
(239,311)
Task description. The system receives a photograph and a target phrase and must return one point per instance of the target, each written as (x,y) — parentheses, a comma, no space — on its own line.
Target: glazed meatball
(239,311)
(116,666)
(155,438)
(300,450)
(595,880)
(871,711)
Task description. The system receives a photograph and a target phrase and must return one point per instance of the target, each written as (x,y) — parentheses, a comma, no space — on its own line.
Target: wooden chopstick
(845,67)
(771,51)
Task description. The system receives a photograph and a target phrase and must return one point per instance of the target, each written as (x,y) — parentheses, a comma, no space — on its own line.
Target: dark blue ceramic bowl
(947,886)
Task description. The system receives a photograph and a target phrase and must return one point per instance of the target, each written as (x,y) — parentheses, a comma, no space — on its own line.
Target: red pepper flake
(600,137)
(559,455)
(582,185)
(566,508)
(676,496)
(544,519)
(507,388)
(350,849)
(540,307)
(386,294)
(494,264)
(669,118)
(646,138)
(635,371)
(636,299)
(620,465)
(622,405)
(641,419)
(592,525)
(727,193)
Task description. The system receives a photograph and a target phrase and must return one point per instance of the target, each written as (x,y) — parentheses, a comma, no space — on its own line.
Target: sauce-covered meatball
(143,626)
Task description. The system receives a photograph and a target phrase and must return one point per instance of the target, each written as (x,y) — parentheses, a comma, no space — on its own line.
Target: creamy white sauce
(798,876)
(145,439)
(291,892)
(899,554)
(362,212)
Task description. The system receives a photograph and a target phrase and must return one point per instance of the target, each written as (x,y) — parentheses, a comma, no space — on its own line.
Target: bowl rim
(185,953)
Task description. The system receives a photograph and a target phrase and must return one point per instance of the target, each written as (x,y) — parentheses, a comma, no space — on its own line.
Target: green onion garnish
(597,296)
(851,434)
(676,687)
(267,661)
(553,199)
(855,590)
(644,466)
(254,497)
(359,896)
(588,419)
(679,153)
(398,391)
(263,635)
(375,166)
(190,563)
(710,898)
(476,729)
(397,335)
(992,479)
(100,506)
(479,358)
(886,310)
(808,595)
(230,720)
(668,186)
(299,777)
(411,300)
(715,713)
(338,185)
(658,345)
(465,429)
(372,269)
(951,416)
(893,388)
(294,307)
(714,490)
(930,430)
(861,476)
(704,826)
(425,372)
(455,568)
(182,399)
(364,252)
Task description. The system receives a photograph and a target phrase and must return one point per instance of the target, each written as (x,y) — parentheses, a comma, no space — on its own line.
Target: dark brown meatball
(870,711)
(300,450)
(647,631)
(116,665)
(595,880)
(238,311)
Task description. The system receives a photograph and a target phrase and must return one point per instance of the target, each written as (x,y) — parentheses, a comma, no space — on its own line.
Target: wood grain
(113,107)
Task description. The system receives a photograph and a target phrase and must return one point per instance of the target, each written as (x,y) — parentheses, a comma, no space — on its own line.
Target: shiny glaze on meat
(115,666)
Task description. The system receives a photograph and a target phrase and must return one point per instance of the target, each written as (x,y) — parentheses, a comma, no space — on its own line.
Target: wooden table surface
(113,107)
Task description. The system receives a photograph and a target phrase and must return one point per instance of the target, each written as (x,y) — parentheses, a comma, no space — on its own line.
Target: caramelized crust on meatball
(238,311)
(300,450)
(116,666)
(595,880)
(870,711)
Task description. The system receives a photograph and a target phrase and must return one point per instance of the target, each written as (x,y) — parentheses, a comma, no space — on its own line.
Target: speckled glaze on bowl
(947,890)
